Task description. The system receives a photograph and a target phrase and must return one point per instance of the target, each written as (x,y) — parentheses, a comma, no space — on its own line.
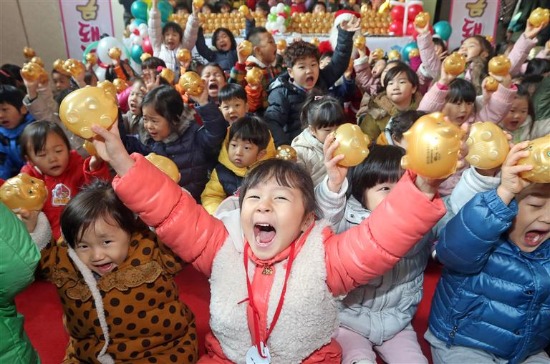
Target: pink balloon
(396,28)
(146,45)
(397,13)
(413,11)
(410,28)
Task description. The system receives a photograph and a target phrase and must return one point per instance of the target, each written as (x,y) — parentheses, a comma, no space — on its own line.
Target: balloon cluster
(97,55)
(278,19)
(140,10)
(402,15)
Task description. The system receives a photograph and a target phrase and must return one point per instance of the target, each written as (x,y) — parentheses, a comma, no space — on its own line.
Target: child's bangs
(461,90)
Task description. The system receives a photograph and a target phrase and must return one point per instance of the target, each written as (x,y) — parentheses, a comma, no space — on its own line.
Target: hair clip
(317,98)
(159,69)
(5,73)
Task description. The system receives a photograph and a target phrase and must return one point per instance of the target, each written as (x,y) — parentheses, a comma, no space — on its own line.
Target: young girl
(320,116)
(49,157)
(169,129)
(214,78)
(400,85)
(116,283)
(520,120)
(133,118)
(226,48)
(167,41)
(274,271)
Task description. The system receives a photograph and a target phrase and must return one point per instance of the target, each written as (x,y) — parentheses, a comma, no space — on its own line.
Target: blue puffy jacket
(11,159)
(491,296)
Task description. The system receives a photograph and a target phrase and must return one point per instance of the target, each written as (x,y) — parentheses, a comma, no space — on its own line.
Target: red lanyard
(256,314)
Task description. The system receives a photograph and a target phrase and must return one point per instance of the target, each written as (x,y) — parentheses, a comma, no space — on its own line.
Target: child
(150,70)
(60,82)
(321,115)
(289,92)
(133,118)
(233,102)
(225,53)
(297,264)
(18,260)
(214,78)
(167,41)
(170,130)
(14,117)
(247,145)
(49,157)
(116,283)
(400,86)
(399,124)
(490,302)
(520,120)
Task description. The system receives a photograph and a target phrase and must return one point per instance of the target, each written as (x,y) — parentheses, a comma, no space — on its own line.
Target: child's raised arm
(434,99)
(524,44)
(155,28)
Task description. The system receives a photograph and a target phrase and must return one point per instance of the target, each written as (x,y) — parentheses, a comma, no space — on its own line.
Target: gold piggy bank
(191,83)
(254,76)
(354,144)
(166,165)
(539,158)
(74,67)
(84,107)
(24,192)
(32,71)
(433,146)
(487,145)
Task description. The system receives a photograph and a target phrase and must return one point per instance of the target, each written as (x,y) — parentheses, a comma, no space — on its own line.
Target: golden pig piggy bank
(87,106)
(487,145)
(454,64)
(539,158)
(191,83)
(433,146)
(254,76)
(32,71)
(24,192)
(354,144)
(166,165)
(74,67)
(500,65)
(183,55)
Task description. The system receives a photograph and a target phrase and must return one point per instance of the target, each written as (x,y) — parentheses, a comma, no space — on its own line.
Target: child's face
(517,115)
(376,194)
(261,12)
(206,10)
(148,75)
(53,159)
(103,247)
(400,90)
(458,112)
(266,50)
(378,68)
(214,79)
(155,124)
(233,109)
(136,97)
(10,116)
(305,72)
(324,62)
(319,9)
(388,67)
(322,133)
(171,39)
(243,153)
(223,42)
(272,217)
(225,9)
(470,49)
(531,226)
(60,82)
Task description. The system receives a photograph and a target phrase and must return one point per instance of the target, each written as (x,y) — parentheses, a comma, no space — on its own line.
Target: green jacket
(541,100)
(18,259)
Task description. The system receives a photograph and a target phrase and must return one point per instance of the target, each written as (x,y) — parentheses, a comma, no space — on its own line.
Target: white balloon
(132,27)
(138,41)
(142,28)
(100,73)
(280,20)
(283,28)
(273,10)
(280,8)
(269,26)
(103,47)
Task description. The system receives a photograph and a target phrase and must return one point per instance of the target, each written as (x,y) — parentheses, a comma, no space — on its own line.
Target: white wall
(42,21)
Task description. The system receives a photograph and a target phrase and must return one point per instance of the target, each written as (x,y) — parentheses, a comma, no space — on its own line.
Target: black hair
(11,95)
(402,122)
(251,129)
(61,95)
(153,63)
(327,54)
(182,6)
(10,74)
(300,50)
(35,134)
(95,201)
(220,4)
(461,90)
(401,68)
(172,26)
(321,111)
(232,91)
(536,68)
(254,35)
(287,174)
(229,34)
(89,77)
(263,5)
(440,42)
(382,165)
(523,93)
(167,103)
(315,3)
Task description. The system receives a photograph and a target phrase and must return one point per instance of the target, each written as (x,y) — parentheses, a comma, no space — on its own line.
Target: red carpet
(42,310)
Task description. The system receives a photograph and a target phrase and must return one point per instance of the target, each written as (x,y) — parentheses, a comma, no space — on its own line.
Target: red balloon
(146,45)
(398,13)
(413,11)
(410,28)
(136,31)
(396,28)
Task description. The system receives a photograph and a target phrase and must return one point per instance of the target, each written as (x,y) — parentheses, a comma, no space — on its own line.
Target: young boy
(60,82)
(233,102)
(289,91)
(247,144)
(14,117)
(491,303)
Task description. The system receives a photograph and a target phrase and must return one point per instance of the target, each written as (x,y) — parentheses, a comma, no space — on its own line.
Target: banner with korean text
(472,17)
(84,21)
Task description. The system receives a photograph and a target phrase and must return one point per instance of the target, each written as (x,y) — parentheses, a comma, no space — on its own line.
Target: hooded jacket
(309,151)
(11,159)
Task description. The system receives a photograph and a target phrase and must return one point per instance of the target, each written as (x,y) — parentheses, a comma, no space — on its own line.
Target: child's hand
(109,147)
(32,88)
(445,78)
(241,53)
(152,83)
(29,218)
(95,163)
(424,30)
(335,172)
(510,182)
(352,25)
(531,32)
(505,81)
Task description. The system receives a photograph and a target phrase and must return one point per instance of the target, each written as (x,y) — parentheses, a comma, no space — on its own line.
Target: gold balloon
(359,42)
(539,16)
(168,75)
(24,192)
(84,107)
(109,88)
(91,59)
(28,52)
(287,153)
(58,65)
(394,55)
(500,65)
(183,55)
(198,3)
(454,64)
(120,85)
(414,53)
(433,144)
(166,165)
(539,158)
(31,71)
(89,147)
(491,84)
(115,53)
(422,19)
(254,76)
(353,144)
(315,41)
(244,10)
(145,56)
(377,54)
(43,77)
(191,83)
(487,145)
(281,43)
(246,47)
(38,61)
(74,67)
